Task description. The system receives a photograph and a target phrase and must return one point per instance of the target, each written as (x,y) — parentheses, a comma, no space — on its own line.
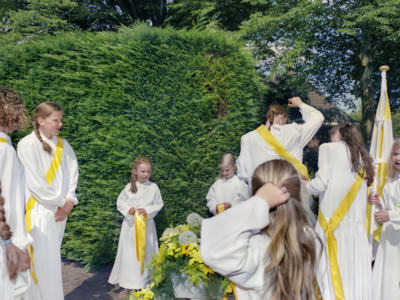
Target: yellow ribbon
(281,151)
(50,175)
(140,234)
(329,228)
(220,208)
(3,141)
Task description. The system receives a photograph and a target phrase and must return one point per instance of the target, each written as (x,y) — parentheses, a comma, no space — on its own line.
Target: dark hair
(12,109)
(274,110)
(360,158)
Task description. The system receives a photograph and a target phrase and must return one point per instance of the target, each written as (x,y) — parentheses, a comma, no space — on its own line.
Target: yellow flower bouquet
(179,266)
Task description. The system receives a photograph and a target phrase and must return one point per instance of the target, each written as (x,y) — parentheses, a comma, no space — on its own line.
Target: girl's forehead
(144,165)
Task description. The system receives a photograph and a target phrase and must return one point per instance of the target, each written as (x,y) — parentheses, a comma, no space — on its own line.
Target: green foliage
(338,45)
(180,97)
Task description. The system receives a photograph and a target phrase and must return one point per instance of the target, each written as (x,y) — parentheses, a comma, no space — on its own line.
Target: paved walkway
(82,285)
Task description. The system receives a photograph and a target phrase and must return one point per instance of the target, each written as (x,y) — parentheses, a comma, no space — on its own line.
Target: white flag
(381,145)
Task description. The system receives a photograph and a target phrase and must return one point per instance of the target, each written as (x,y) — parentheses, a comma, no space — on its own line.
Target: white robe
(332,182)
(126,270)
(12,180)
(46,232)
(233,245)
(254,150)
(6,286)
(232,190)
(386,273)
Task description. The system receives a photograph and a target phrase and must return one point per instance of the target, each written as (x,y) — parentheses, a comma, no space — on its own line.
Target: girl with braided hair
(51,172)
(344,171)
(13,117)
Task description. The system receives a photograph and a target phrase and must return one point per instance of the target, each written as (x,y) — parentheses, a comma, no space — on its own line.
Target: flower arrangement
(179,262)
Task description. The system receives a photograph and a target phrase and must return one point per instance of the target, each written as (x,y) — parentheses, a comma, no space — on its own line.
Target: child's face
(142,172)
(227,170)
(51,125)
(396,159)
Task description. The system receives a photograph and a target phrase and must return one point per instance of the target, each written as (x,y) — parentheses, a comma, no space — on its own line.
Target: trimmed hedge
(180,97)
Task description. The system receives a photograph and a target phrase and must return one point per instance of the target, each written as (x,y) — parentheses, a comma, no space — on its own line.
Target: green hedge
(180,97)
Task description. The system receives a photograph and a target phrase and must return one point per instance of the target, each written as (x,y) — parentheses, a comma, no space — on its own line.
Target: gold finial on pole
(384,68)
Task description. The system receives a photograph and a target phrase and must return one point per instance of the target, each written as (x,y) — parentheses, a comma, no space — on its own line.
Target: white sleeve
(156,205)
(212,199)
(393,209)
(122,201)
(13,189)
(73,175)
(225,241)
(37,184)
(319,184)
(244,192)
(313,120)
(243,162)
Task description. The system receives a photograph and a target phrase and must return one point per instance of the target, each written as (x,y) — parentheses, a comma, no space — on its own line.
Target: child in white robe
(8,261)
(386,272)
(254,150)
(339,164)
(265,245)
(228,190)
(51,173)
(13,117)
(140,198)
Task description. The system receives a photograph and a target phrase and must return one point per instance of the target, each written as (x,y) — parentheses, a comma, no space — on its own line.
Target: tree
(338,44)
(225,14)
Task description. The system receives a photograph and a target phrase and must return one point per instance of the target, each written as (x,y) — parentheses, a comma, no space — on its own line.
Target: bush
(180,97)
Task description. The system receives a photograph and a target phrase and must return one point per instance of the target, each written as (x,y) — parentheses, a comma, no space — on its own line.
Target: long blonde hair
(138,161)
(291,254)
(391,173)
(43,110)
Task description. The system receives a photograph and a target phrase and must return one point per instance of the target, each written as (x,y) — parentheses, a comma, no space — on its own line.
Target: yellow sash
(281,151)
(220,208)
(50,175)
(3,141)
(329,228)
(140,234)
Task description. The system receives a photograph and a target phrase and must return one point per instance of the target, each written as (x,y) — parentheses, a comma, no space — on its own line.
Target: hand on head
(294,102)
(273,194)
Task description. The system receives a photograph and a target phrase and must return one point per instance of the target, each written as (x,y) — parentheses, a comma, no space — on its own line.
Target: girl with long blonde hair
(266,245)
(51,173)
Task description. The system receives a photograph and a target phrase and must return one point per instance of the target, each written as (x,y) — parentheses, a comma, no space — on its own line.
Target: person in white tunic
(228,190)
(9,259)
(265,245)
(254,150)
(386,272)
(344,165)
(51,173)
(139,198)
(13,117)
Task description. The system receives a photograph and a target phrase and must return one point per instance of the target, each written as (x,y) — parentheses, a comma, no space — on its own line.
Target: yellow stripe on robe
(50,175)
(281,151)
(329,228)
(3,141)
(140,234)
